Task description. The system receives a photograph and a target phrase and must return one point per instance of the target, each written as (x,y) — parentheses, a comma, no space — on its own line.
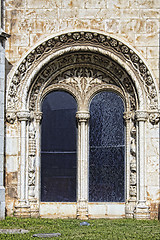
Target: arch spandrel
(25,73)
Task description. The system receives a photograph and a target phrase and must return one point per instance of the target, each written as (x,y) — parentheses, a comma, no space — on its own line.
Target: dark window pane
(58,148)
(106,156)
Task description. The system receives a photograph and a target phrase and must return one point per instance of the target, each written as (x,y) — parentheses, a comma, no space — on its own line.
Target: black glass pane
(58,148)
(106,156)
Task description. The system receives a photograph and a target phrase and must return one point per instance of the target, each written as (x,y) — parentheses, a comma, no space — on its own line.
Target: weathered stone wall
(136,22)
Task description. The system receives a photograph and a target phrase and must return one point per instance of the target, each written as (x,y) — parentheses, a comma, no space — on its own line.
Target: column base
(34,208)
(129,208)
(141,211)
(22,210)
(82,211)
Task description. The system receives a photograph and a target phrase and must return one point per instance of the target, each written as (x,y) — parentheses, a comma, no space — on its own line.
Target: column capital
(23,115)
(141,115)
(82,116)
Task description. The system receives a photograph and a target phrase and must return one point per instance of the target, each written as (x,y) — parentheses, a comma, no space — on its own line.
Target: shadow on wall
(8,67)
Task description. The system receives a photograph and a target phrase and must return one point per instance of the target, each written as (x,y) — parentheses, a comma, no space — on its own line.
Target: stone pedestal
(34,208)
(82,210)
(142,211)
(129,209)
(22,210)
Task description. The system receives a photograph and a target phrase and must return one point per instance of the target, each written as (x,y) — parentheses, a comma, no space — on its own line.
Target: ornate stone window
(85,65)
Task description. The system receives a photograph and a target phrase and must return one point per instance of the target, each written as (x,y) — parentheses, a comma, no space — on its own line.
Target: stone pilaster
(23,208)
(3,37)
(142,210)
(82,201)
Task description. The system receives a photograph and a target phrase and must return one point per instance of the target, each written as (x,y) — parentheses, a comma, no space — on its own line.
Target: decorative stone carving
(10,117)
(83,78)
(141,116)
(130,205)
(133,168)
(38,116)
(83,38)
(32,159)
(23,115)
(154,117)
(83,116)
(127,116)
(82,72)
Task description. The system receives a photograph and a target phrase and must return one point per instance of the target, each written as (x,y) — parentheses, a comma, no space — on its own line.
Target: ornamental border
(82,38)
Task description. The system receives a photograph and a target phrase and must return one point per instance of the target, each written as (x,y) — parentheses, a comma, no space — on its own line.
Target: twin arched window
(59,148)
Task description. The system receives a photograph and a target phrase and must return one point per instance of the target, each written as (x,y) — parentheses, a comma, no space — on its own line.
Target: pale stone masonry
(130,29)
(136,22)
(3,37)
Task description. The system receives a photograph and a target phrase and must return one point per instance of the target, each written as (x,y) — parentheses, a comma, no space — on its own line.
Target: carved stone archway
(82,63)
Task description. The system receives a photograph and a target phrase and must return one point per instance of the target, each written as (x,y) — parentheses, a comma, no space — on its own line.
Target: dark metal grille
(58,148)
(107,150)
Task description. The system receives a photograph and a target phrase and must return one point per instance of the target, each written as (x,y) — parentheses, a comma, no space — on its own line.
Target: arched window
(107,149)
(58,148)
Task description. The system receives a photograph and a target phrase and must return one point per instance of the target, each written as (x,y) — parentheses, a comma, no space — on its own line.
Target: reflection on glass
(58,148)
(106,155)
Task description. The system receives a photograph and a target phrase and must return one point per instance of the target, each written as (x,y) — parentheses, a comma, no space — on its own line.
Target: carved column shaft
(82,211)
(127,117)
(23,118)
(141,117)
(141,210)
(38,118)
(131,183)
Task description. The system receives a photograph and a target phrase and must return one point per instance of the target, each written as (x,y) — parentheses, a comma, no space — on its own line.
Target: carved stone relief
(133,165)
(77,39)
(92,69)
(31,158)
(129,117)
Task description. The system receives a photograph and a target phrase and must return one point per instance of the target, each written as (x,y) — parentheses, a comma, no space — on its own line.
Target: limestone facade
(82,47)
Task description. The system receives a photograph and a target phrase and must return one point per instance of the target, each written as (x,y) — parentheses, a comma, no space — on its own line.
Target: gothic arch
(82,63)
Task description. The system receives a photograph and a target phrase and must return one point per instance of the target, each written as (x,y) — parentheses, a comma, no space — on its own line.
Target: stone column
(82,199)
(141,210)
(23,208)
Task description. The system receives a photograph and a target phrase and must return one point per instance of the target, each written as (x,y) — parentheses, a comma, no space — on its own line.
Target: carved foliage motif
(81,38)
(133,169)
(10,117)
(129,117)
(83,66)
(154,117)
(31,158)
